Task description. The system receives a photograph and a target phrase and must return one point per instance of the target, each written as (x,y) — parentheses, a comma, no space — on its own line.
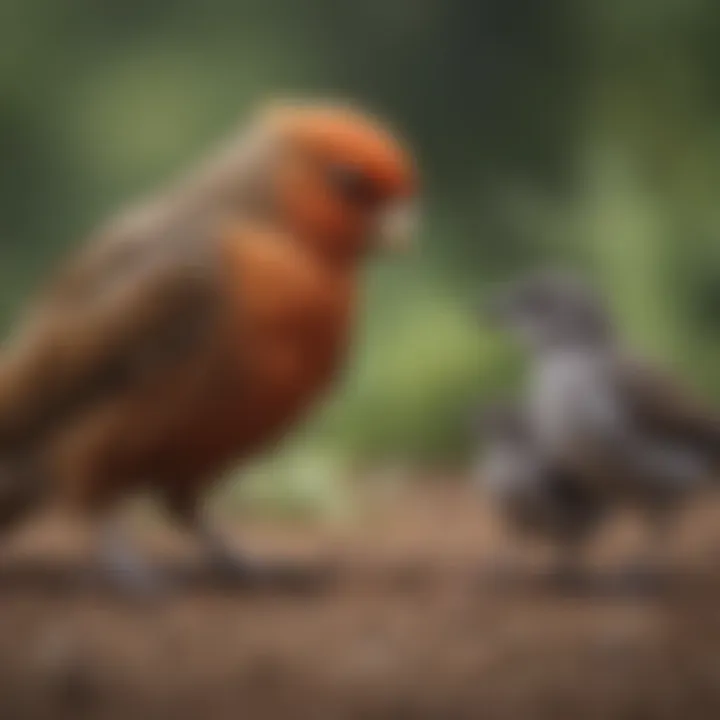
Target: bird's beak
(396,226)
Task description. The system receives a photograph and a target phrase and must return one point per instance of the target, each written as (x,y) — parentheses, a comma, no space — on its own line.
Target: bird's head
(549,310)
(337,178)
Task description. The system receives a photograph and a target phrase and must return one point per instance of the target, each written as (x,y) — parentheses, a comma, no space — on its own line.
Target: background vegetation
(580,132)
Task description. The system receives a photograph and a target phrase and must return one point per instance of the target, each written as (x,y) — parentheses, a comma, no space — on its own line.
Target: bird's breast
(571,403)
(291,323)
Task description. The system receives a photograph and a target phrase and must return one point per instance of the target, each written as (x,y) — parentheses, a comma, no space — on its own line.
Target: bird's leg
(119,562)
(648,571)
(227,560)
(185,507)
(568,569)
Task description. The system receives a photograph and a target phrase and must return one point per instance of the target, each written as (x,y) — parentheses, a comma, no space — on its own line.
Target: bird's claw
(136,582)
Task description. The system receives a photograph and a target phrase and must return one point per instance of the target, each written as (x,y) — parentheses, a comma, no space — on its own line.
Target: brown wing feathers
(119,316)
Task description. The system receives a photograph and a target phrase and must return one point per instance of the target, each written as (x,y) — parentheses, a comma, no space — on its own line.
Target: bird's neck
(568,360)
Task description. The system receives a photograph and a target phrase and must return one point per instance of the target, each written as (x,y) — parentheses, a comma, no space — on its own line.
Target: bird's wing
(658,403)
(125,308)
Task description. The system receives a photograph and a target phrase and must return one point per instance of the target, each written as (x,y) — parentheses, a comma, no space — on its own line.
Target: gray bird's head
(550,310)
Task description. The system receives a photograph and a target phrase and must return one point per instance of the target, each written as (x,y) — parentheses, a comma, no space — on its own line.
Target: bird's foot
(122,569)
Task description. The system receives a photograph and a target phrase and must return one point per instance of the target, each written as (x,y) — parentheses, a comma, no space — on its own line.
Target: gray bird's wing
(659,404)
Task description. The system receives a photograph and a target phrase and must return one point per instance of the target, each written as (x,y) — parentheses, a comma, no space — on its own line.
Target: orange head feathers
(343,181)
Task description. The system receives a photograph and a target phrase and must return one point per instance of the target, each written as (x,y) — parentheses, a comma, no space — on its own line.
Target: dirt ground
(394,615)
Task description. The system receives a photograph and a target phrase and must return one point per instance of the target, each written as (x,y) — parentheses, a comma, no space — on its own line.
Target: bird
(624,425)
(536,498)
(197,327)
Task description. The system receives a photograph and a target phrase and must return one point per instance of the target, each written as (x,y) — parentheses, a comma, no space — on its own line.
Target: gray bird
(620,424)
(536,498)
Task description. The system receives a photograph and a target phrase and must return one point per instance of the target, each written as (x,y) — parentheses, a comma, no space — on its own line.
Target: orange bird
(197,328)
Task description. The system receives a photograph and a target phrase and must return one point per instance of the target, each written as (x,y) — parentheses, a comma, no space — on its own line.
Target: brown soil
(396,620)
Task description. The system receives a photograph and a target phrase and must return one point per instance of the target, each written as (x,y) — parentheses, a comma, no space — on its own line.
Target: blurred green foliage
(579,132)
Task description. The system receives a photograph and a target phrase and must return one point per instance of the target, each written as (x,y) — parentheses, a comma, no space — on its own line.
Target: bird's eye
(352,185)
